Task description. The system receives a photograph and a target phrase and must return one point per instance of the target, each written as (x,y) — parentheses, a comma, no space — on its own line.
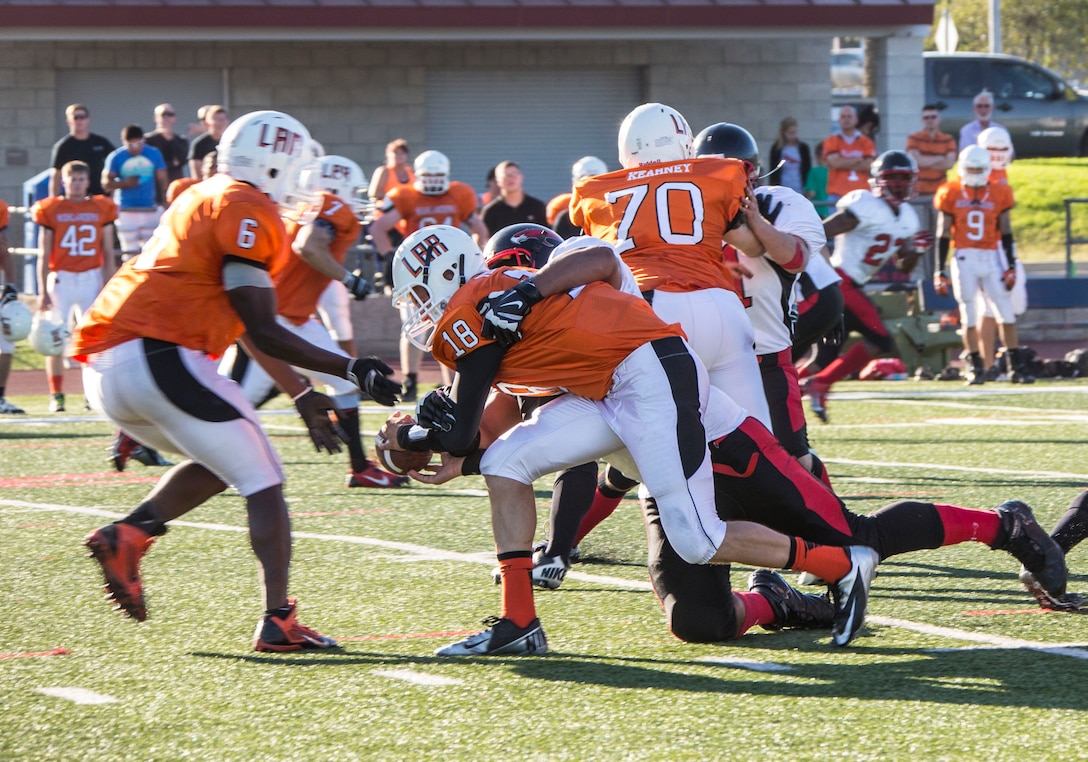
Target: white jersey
(820,272)
(879,234)
(769,294)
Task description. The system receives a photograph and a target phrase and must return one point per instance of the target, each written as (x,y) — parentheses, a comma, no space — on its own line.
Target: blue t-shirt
(121,163)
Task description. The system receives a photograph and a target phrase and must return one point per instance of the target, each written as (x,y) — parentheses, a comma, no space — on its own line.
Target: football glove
(941,283)
(770,213)
(921,242)
(324,432)
(371,375)
(10,294)
(503,312)
(436,411)
(358,285)
(836,335)
(1009,278)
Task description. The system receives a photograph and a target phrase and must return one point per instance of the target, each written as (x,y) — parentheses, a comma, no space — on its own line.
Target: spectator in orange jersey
(848,154)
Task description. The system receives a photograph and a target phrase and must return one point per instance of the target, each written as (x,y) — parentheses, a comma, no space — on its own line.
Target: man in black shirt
(216,120)
(513,205)
(173,147)
(80,144)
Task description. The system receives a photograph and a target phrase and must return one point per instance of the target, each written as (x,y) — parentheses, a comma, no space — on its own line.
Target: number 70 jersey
(666,220)
(879,235)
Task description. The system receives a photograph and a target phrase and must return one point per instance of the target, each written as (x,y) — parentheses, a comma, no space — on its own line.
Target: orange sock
(56,384)
(516,568)
(825,561)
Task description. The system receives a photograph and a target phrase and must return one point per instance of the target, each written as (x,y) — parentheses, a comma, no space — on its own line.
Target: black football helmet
(893,176)
(525,244)
(730,141)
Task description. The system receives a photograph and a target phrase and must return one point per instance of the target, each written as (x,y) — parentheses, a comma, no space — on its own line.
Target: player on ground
(148,344)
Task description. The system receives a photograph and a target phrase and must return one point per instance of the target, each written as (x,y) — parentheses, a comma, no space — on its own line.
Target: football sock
(349,422)
(968,524)
(146,517)
(56,384)
(1073,526)
(600,510)
(572,494)
(516,568)
(854,360)
(757,610)
(825,561)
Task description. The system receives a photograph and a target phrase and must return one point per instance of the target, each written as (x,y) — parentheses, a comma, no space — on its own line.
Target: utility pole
(995,26)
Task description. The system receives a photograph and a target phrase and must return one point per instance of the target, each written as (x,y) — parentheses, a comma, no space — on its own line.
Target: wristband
(302,394)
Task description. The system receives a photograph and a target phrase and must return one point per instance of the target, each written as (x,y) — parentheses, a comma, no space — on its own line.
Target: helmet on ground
(998,142)
(428,268)
(654,133)
(48,336)
(974,166)
(15,320)
(341,177)
(432,170)
(525,244)
(587,166)
(894,176)
(730,141)
(268,150)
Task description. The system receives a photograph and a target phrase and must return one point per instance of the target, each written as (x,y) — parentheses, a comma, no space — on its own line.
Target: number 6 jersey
(877,238)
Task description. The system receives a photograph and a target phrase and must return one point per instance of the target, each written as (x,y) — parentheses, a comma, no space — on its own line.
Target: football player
(974,221)
(559,207)
(148,343)
(431,199)
(75,236)
(318,250)
(870,228)
(579,325)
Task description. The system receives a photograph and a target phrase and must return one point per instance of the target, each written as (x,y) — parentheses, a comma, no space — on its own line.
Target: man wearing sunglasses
(173,147)
(80,144)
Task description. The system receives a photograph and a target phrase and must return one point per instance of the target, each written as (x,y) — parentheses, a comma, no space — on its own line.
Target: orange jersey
(178,186)
(570,342)
(666,220)
(77,230)
(299,286)
(975,212)
(557,206)
(842,181)
(174,289)
(418,210)
(5,214)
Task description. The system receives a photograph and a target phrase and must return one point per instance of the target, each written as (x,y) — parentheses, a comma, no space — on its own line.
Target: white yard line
(78,695)
(427,553)
(972,469)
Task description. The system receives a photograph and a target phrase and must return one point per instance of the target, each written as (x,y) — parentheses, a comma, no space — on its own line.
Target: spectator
(492,191)
(935,153)
(396,171)
(983,106)
(849,154)
(795,154)
(80,144)
(75,235)
(816,182)
(513,205)
(215,119)
(173,147)
(136,175)
(7,347)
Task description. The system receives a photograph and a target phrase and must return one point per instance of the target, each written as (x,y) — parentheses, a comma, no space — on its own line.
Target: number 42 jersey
(881,231)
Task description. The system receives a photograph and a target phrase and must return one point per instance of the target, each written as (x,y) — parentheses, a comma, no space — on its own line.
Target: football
(400,462)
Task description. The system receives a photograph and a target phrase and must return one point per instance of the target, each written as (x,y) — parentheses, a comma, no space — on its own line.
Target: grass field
(956,662)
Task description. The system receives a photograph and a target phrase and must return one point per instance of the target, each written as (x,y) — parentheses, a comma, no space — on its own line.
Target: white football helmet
(654,133)
(48,336)
(998,142)
(973,166)
(341,177)
(432,170)
(428,268)
(587,166)
(268,150)
(15,320)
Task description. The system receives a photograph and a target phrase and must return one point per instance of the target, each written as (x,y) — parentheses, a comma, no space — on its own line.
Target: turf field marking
(78,695)
(35,654)
(944,467)
(419,678)
(1073,650)
(751,664)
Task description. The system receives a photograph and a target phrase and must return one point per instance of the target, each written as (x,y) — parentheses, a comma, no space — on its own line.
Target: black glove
(358,285)
(371,375)
(769,213)
(436,411)
(503,312)
(325,433)
(10,294)
(835,336)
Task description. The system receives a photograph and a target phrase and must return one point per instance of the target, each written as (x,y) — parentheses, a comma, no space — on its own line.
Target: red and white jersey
(666,220)
(820,271)
(174,289)
(299,286)
(418,210)
(768,296)
(976,212)
(77,230)
(881,231)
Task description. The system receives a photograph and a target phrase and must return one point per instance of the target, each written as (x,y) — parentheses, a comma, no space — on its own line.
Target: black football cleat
(791,607)
(1027,542)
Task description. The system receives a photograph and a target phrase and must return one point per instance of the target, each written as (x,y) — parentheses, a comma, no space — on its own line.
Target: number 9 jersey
(975,218)
(878,236)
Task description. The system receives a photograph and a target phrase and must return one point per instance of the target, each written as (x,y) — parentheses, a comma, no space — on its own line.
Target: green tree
(1049,32)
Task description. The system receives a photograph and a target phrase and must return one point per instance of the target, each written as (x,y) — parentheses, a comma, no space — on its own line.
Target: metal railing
(1070,268)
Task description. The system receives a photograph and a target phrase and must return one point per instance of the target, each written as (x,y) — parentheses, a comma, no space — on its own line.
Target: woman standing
(793,155)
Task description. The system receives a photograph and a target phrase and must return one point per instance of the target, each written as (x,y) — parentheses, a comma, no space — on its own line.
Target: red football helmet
(894,177)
